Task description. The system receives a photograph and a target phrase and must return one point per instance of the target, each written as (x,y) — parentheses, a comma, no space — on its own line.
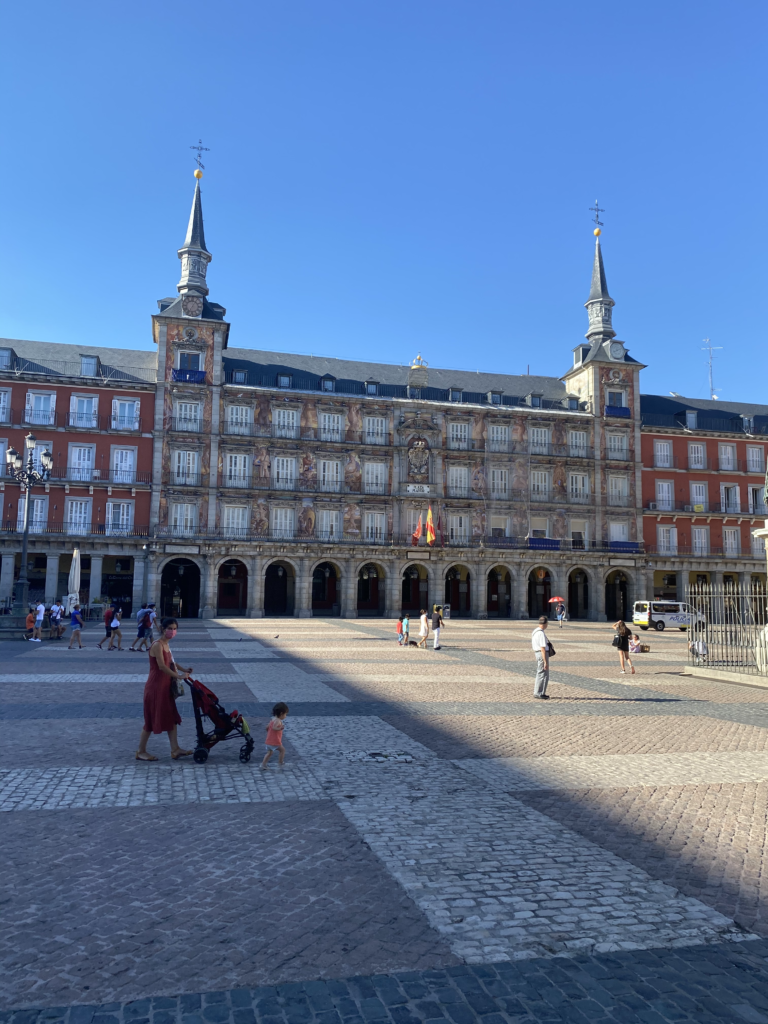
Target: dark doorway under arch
(499,593)
(325,590)
(415,589)
(232,597)
(370,591)
(279,589)
(457,592)
(539,592)
(578,595)
(616,596)
(180,589)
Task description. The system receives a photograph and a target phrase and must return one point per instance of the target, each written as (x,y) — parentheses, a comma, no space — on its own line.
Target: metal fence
(728,627)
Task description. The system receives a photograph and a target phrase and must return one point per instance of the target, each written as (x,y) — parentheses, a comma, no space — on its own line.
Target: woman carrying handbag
(621,642)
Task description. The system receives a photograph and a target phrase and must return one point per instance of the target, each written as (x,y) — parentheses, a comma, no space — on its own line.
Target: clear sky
(395,176)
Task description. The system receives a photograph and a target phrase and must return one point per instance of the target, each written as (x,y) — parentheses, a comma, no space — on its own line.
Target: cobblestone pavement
(600,856)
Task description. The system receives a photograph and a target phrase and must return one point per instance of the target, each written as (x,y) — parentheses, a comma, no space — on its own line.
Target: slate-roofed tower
(194,259)
(599,304)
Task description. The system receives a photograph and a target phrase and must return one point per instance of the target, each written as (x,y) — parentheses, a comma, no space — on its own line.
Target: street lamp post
(27,476)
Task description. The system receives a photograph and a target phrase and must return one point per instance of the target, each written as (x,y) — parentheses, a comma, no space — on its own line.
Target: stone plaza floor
(439,846)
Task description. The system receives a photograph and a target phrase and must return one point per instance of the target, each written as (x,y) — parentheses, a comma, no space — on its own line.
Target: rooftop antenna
(709,347)
(200,149)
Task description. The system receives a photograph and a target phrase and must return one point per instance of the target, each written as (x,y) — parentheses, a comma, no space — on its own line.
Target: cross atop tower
(597,211)
(204,149)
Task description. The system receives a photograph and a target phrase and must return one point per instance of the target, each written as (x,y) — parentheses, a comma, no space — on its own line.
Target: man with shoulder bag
(543,651)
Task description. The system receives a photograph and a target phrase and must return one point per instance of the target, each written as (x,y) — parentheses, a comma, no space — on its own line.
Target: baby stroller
(225,726)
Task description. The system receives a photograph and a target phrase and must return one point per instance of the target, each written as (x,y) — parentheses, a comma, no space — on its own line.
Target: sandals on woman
(145,756)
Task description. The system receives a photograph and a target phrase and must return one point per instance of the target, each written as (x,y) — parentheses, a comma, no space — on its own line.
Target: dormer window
(690,419)
(455,394)
(749,424)
(5,359)
(89,366)
(573,404)
(239,377)
(494,397)
(327,384)
(414,392)
(534,401)
(283,380)
(580,354)
(371,387)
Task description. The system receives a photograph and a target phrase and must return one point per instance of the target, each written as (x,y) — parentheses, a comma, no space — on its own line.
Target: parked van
(662,614)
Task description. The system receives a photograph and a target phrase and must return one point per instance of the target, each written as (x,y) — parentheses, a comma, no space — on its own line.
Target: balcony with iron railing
(186,479)
(618,454)
(617,500)
(81,474)
(566,451)
(704,551)
(190,425)
(189,376)
(711,507)
(618,411)
(579,497)
(240,480)
(66,526)
(664,461)
(375,487)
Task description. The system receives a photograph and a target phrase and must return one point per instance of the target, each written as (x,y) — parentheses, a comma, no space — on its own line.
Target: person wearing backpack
(142,621)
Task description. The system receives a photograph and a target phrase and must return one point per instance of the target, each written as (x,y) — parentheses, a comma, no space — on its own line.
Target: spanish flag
(430,528)
(416,535)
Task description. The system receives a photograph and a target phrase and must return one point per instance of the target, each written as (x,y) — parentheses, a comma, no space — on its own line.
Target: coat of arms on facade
(418,457)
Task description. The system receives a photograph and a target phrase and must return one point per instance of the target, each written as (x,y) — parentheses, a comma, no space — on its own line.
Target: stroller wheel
(245,753)
(200,756)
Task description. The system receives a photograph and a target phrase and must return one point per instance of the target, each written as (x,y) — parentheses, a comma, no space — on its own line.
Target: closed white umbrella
(73,597)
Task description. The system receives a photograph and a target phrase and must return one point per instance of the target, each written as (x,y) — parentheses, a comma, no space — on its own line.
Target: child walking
(400,630)
(406,630)
(275,729)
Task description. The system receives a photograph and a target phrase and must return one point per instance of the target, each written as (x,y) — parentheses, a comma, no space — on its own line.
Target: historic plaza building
(233,481)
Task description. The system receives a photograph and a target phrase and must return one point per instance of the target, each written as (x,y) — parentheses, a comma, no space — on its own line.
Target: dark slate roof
(669,410)
(599,289)
(172,307)
(597,351)
(263,368)
(58,359)
(195,234)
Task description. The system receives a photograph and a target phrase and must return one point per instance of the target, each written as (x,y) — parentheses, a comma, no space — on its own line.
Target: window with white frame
(38,514)
(499,526)
(458,528)
(539,440)
(81,459)
(691,417)
(617,490)
(77,515)
(330,427)
(283,523)
(756,500)
(328,524)
(662,454)
(577,443)
(237,470)
(37,451)
(499,482)
(40,408)
(89,366)
(284,472)
(727,454)
(83,411)
(329,475)
(755,461)
(666,539)
(286,423)
(235,520)
(617,446)
(186,467)
(283,380)
(758,548)
(697,456)
(375,526)
(188,416)
(5,406)
(731,540)
(239,419)
(458,481)
(618,532)
(665,495)
(183,518)
(125,413)
(119,517)
(375,478)
(458,436)
(3,466)
(498,440)
(579,538)
(123,465)
(699,497)
(239,376)
(540,484)
(327,384)
(730,498)
(700,540)
(188,360)
(539,528)
(615,399)
(375,430)
(578,487)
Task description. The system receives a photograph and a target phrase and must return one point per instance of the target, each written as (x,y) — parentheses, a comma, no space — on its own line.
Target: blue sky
(393,177)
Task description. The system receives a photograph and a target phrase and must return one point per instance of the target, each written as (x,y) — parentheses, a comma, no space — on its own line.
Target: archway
(180,589)
(457,592)
(578,594)
(232,598)
(499,593)
(325,590)
(415,591)
(616,596)
(371,590)
(539,592)
(279,589)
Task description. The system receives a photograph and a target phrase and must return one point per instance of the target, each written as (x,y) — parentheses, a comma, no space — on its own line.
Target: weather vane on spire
(597,211)
(204,149)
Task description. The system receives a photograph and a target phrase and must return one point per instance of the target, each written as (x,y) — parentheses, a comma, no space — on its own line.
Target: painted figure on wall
(262,465)
(478,431)
(479,483)
(308,423)
(558,432)
(520,478)
(306,520)
(352,519)
(354,422)
(260,518)
(559,478)
(352,473)
(307,472)
(478,522)
(559,526)
(518,433)
(262,416)
(519,523)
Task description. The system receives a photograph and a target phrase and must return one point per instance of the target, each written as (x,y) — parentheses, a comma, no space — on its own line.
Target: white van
(662,614)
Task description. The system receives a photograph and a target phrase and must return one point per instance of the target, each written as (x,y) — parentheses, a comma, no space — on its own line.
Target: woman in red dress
(160,712)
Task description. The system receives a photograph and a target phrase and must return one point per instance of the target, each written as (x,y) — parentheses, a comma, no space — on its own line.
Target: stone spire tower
(599,305)
(194,259)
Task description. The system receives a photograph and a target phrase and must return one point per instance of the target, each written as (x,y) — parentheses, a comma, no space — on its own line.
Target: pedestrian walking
(621,642)
(37,632)
(406,630)
(160,711)
(109,614)
(541,648)
(560,615)
(437,625)
(117,633)
(400,630)
(142,621)
(54,618)
(275,733)
(152,618)
(76,620)
(423,629)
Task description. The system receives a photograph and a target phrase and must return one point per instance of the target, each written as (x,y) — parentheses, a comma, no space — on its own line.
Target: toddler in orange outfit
(275,729)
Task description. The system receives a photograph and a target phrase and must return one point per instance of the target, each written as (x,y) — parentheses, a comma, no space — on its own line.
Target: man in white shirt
(55,619)
(540,646)
(37,636)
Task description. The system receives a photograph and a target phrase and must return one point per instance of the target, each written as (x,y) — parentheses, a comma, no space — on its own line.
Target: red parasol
(553,599)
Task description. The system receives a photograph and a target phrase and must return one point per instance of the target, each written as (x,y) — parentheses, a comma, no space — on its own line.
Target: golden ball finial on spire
(198,174)
(597,232)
